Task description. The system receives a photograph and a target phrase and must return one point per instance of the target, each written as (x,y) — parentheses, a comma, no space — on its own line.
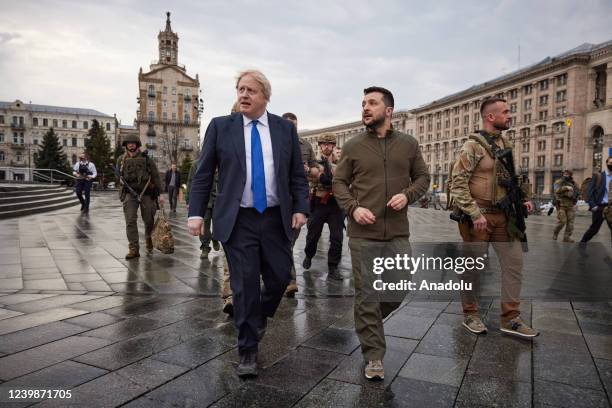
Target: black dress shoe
(248,365)
(334,274)
(261,331)
(307,263)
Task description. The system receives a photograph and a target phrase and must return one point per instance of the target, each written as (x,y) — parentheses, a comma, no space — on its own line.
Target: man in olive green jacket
(380,172)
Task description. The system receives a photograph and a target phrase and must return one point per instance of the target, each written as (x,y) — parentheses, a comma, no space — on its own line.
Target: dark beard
(501,127)
(132,150)
(375,124)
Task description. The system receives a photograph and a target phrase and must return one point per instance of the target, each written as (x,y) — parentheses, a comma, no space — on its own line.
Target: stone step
(38,209)
(21,190)
(42,195)
(39,201)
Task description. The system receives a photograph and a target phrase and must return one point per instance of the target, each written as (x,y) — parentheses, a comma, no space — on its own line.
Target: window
(513,121)
(108,126)
(64,142)
(561,111)
(527,118)
(513,107)
(559,127)
(558,143)
(45,122)
(558,160)
(513,93)
(1,137)
(456,110)
(562,80)
(527,104)
(151,92)
(476,117)
(74,124)
(74,142)
(188,92)
(2,121)
(165,115)
(525,162)
(525,133)
(455,132)
(446,124)
(186,118)
(543,100)
(173,104)
(541,130)
(15,138)
(466,119)
(541,145)
(151,103)
(174,90)
(19,156)
(65,124)
(151,116)
(543,115)
(165,90)
(476,104)
(541,161)
(438,125)
(85,125)
(456,122)
(465,131)
(561,96)
(543,84)
(173,115)
(54,123)
(1,155)
(165,103)
(527,89)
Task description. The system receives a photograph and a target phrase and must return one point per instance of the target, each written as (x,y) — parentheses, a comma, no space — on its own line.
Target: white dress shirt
(90,166)
(268,158)
(606,197)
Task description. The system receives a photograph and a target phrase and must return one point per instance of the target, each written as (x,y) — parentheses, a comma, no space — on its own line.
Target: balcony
(151,145)
(18,146)
(151,94)
(187,98)
(17,126)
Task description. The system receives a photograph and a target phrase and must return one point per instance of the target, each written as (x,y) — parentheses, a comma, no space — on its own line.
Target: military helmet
(327,138)
(131,139)
(571,173)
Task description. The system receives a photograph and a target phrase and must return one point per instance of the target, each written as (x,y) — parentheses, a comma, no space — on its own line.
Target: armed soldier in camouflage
(481,184)
(566,196)
(140,189)
(310,168)
(325,209)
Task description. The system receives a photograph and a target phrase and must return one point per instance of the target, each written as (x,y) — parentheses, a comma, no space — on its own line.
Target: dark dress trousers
(255,243)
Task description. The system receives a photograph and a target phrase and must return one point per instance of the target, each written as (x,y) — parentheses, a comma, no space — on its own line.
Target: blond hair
(259,78)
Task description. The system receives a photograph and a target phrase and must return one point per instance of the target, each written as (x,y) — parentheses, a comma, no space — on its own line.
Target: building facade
(561,118)
(402,120)
(168,118)
(23,126)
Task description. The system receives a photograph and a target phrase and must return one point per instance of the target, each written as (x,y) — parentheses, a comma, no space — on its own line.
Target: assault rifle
(124,183)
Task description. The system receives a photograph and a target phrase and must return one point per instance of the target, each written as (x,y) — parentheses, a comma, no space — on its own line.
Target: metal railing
(30,174)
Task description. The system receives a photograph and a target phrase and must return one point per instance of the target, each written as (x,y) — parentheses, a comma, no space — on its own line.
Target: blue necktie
(258,176)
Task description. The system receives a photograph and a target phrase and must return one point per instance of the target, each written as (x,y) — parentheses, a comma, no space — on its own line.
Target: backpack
(584,187)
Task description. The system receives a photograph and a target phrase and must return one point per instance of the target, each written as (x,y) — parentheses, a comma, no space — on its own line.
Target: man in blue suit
(600,201)
(262,196)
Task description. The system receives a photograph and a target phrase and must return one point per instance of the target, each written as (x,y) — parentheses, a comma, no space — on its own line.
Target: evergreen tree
(185,167)
(98,148)
(51,155)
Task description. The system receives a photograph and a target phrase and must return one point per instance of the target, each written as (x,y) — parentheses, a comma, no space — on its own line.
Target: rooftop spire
(168,28)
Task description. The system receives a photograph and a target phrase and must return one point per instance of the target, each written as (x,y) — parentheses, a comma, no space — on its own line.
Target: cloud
(319,55)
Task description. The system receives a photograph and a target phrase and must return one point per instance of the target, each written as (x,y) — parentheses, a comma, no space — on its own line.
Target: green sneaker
(517,327)
(474,324)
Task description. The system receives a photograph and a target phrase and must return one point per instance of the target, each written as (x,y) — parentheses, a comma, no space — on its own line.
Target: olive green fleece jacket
(370,172)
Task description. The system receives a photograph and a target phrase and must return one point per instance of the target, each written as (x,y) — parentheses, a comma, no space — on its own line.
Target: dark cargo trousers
(371,306)
(333,215)
(148,208)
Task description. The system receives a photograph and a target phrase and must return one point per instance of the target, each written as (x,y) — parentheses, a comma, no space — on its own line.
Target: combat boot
(132,253)
(149,245)
(555,235)
(568,239)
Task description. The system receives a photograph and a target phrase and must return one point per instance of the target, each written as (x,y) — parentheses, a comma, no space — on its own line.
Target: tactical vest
(135,171)
(485,181)
(566,198)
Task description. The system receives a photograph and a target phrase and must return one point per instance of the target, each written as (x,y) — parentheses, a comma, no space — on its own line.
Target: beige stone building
(168,118)
(573,88)
(23,125)
(402,120)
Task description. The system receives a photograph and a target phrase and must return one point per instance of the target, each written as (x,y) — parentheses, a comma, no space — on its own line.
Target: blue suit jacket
(597,190)
(224,148)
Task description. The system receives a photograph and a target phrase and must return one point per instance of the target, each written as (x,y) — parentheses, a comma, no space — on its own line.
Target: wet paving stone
(6,314)
(500,356)
(28,338)
(550,394)
(336,340)
(93,320)
(478,391)
(193,352)
(51,303)
(412,327)
(408,392)
(351,369)
(447,340)
(46,284)
(18,364)
(151,373)
(27,321)
(436,369)
(65,375)
(125,328)
(604,367)
(330,393)
(256,395)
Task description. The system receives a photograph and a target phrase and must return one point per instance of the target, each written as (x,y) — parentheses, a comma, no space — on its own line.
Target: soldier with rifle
(490,204)
(140,188)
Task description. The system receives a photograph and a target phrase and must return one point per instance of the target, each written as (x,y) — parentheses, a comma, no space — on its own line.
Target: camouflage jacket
(566,192)
(468,176)
(139,171)
(322,183)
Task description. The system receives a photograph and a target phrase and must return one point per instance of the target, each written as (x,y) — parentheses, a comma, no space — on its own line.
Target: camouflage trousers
(565,217)
(148,208)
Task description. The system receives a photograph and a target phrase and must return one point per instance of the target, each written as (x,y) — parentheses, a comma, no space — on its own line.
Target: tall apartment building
(561,117)
(402,120)
(168,118)
(23,125)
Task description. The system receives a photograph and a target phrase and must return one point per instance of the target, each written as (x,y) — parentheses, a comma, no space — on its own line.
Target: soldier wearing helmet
(139,172)
(566,196)
(325,209)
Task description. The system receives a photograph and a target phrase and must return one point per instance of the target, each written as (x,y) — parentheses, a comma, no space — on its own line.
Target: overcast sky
(318,55)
